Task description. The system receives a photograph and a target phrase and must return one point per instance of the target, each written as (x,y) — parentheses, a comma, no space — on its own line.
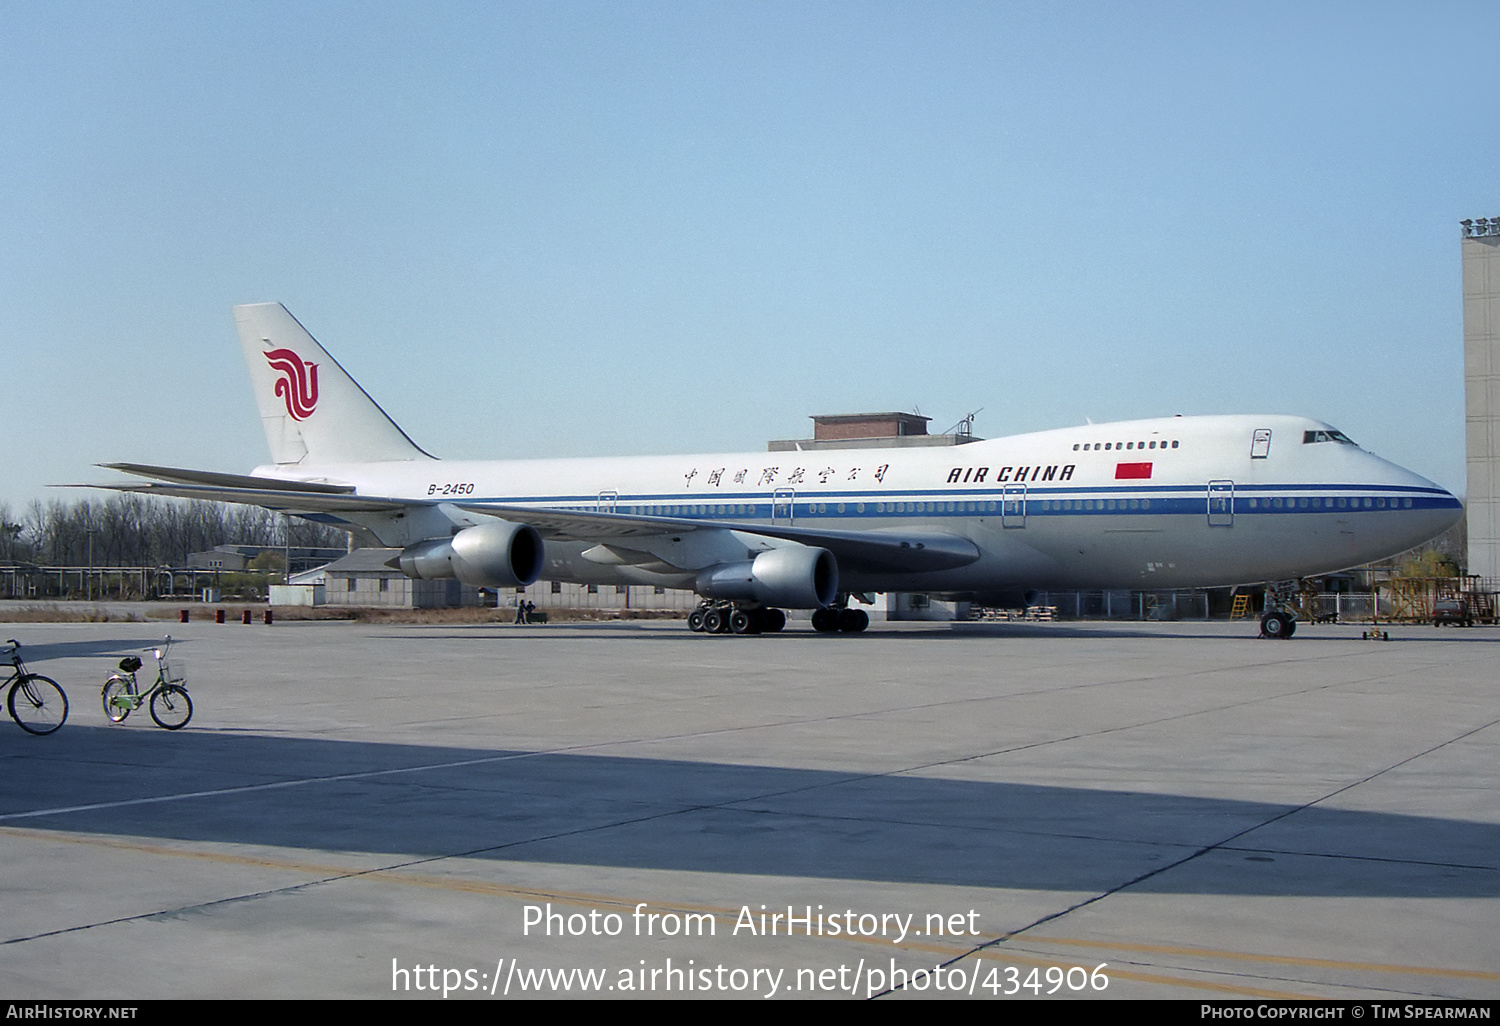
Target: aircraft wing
(870,551)
(867,551)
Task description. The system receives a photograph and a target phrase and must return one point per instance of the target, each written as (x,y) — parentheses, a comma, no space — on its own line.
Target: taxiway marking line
(584,900)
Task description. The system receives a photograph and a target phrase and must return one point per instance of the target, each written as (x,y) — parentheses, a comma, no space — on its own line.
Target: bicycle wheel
(171,707)
(116,688)
(38,704)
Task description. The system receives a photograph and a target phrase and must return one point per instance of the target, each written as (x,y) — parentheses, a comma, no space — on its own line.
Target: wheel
(714,621)
(38,704)
(695,620)
(742,621)
(1276,625)
(825,620)
(117,699)
(772,620)
(171,707)
(852,621)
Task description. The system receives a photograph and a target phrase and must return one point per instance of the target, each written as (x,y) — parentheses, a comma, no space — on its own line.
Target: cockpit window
(1308,437)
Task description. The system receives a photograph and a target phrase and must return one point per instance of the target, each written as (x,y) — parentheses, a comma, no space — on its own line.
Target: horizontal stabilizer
(208,477)
(268,496)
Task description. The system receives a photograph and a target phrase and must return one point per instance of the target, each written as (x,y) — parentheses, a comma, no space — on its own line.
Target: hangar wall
(1481,298)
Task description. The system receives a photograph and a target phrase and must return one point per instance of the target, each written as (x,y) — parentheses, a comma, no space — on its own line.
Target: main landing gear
(846,621)
(723,617)
(727,618)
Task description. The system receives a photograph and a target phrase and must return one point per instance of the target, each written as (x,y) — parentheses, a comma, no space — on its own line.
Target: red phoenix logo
(298,383)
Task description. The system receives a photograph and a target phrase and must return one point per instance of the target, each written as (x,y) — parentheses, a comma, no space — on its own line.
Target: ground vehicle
(170,705)
(1451,610)
(36,703)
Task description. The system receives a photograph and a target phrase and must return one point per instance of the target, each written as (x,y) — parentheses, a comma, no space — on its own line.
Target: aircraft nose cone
(1440,509)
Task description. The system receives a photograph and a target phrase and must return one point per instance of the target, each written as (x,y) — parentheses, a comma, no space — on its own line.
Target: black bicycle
(35,702)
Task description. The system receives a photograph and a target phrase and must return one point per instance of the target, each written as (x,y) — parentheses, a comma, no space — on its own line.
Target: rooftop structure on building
(873,431)
(238,557)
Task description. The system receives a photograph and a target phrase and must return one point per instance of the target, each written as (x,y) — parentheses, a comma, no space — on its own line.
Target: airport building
(873,431)
(299,558)
(1480,246)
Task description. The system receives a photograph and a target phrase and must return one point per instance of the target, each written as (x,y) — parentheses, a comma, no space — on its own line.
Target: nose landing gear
(1277,624)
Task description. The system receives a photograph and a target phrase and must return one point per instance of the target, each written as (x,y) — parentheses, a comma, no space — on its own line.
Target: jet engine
(494,555)
(795,576)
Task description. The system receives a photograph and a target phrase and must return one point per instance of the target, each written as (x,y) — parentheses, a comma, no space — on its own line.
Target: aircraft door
(782,505)
(1221,504)
(1260,444)
(607,501)
(1013,506)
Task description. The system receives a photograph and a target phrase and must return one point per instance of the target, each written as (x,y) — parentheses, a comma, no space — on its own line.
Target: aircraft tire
(744,622)
(695,620)
(772,620)
(825,621)
(1277,625)
(852,621)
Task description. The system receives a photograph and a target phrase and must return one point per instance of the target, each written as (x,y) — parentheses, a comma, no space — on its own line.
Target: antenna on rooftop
(965,427)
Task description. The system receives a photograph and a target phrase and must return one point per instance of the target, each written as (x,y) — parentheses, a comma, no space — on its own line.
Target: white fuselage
(1167,503)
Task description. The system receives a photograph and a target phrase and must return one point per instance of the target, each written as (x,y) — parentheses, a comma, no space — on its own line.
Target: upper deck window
(1308,437)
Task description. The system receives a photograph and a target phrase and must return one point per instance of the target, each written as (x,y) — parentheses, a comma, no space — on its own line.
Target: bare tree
(134,530)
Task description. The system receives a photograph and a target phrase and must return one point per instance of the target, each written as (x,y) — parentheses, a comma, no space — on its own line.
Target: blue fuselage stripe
(1138,500)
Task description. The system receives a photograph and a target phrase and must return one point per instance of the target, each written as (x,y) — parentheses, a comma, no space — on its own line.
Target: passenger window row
(1358,502)
(1088,446)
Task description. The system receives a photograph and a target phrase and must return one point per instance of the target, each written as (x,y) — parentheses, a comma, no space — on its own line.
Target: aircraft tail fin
(312,410)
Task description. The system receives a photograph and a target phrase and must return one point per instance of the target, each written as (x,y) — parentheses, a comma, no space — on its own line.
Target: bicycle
(167,697)
(36,703)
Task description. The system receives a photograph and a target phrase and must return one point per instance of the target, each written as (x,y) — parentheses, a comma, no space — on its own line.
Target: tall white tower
(1481,275)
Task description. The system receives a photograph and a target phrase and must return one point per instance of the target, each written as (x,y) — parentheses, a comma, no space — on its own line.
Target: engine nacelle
(494,555)
(795,576)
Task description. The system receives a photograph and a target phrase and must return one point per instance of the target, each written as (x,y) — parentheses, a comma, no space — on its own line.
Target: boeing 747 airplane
(1179,502)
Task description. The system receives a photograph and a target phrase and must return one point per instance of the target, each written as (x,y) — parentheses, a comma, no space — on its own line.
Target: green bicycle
(36,703)
(167,696)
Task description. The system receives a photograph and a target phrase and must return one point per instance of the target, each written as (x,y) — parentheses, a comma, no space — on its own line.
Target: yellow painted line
(205,856)
(1250,956)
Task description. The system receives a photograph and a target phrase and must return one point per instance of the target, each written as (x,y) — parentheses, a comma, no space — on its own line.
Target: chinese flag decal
(1132,471)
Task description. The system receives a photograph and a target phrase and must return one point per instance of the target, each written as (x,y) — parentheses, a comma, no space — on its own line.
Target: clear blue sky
(607,228)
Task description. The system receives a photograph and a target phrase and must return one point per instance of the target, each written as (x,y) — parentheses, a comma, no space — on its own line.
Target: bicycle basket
(130,664)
